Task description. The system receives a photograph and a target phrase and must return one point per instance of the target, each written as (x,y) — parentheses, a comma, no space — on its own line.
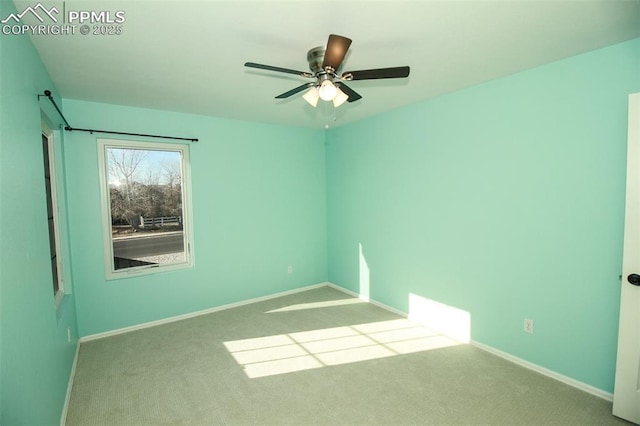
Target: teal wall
(35,357)
(259,205)
(505,200)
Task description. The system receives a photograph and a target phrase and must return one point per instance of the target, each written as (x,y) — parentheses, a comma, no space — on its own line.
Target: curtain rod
(68,127)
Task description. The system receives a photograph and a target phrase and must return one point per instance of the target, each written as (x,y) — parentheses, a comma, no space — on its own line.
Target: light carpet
(315,357)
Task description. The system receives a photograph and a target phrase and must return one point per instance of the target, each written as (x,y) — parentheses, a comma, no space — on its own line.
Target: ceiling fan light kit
(312,96)
(327,90)
(340,98)
(324,64)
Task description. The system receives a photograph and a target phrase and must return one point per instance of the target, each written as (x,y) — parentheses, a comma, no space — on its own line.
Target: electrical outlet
(290,270)
(528,326)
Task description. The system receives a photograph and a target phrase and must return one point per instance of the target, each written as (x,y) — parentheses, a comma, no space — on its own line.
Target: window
(146,208)
(52,214)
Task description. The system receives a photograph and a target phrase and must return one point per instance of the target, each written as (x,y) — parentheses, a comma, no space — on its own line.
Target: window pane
(50,213)
(146,206)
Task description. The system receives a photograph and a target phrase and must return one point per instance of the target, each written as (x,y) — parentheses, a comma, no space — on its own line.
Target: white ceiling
(188,56)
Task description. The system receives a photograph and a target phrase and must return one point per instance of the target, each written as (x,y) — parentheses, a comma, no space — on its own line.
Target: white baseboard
(346,291)
(545,371)
(367,299)
(512,358)
(196,313)
(72,375)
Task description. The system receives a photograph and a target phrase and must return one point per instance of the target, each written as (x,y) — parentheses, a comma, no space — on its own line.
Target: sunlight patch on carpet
(287,353)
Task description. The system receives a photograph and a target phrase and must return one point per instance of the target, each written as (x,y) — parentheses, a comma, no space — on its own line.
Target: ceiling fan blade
(337,47)
(353,95)
(294,91)
(395,72)
(278,69)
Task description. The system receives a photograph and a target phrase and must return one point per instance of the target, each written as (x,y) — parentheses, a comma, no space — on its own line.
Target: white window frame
(111,272)
(47,132)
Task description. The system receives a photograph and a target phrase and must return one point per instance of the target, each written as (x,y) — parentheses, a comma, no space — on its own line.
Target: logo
(34,11)
(87,22)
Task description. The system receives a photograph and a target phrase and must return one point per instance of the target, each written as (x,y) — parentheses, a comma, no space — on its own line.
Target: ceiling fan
(324,64)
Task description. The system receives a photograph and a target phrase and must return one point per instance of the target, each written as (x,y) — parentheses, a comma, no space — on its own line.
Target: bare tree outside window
(146,205)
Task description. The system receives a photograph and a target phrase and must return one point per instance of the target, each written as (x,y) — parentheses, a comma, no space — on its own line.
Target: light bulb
(312,96)
(327,90)
(340,98)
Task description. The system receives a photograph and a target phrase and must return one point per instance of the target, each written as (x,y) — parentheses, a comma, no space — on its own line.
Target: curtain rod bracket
(68,128)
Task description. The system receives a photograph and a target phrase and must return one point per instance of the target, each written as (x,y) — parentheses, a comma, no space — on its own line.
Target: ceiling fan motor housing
(315,57)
